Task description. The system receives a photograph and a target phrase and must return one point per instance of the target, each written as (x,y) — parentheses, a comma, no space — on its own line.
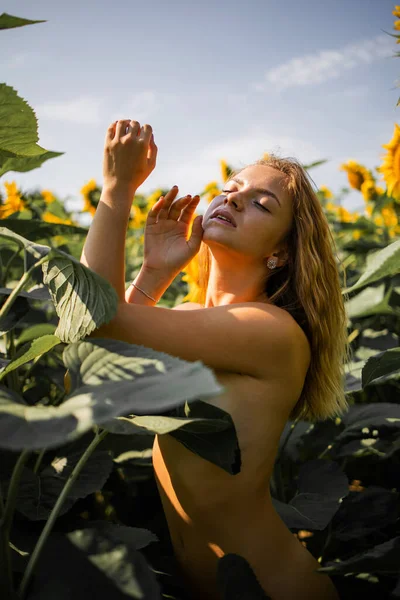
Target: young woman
(272,326)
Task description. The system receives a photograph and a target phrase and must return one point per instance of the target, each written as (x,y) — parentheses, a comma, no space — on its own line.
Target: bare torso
(211,513)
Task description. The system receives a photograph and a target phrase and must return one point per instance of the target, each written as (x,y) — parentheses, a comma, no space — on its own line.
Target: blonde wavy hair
(308,286)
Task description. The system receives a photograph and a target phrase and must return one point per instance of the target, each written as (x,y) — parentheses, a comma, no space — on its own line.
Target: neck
(235,282)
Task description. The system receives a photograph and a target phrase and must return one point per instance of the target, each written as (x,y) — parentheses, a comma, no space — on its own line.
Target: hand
(166,247)
(129,154)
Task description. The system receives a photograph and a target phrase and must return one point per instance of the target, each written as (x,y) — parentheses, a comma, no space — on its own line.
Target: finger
(146,132)
(154,211)
(189,210)
(133,128)
(111,131)
(152,152)
(121,128)
(169,197)
(178,206)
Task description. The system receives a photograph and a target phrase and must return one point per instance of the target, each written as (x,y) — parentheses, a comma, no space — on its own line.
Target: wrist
(119,190)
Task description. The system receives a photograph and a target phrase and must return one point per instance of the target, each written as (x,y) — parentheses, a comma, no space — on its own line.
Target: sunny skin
(228,337)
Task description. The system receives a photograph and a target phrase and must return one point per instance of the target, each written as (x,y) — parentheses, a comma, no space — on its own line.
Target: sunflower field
(80,514)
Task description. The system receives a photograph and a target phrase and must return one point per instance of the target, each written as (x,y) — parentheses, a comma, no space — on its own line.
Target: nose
(233,198)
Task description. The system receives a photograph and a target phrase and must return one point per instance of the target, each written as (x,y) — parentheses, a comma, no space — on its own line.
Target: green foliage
(78,416)
(9,22)
(19,150)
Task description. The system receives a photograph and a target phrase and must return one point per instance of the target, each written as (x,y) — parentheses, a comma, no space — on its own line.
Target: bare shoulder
(187,306)
(281,326)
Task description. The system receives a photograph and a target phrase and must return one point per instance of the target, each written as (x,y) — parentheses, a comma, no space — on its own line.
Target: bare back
(211,513)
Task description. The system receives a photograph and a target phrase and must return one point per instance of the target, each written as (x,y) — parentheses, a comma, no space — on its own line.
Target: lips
(224,213)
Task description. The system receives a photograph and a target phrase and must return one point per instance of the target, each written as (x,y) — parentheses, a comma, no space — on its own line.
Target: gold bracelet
(143,292)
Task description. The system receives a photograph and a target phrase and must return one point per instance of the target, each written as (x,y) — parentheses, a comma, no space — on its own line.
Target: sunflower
(91,195)
(191,277)
(345,216)
(396,11)
(391,165)
(357,174)
(331,207)
(13,203)
(368,190)
(153,198)
(356,234)
(47,196)
(50,218)
(212,190)
(326,192)
(138,218)
(226,170)
(389,216)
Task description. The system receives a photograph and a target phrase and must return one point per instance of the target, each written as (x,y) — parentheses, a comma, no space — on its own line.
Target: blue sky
(216,80)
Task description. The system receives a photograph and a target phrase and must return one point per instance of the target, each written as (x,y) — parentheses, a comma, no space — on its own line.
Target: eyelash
(258,203)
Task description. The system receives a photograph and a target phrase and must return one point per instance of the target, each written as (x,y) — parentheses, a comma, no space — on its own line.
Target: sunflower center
(355,179)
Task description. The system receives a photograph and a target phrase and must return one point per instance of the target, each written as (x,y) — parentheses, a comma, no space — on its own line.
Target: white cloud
(83,111)
(326,64)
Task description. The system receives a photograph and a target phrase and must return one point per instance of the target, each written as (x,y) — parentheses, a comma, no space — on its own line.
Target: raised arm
(123,173)
(129,157)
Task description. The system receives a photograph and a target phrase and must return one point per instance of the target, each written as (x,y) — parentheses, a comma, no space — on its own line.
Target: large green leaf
(371,301)
(131,386)
(321,486)
(385,363)
(83,299)
(30,351)
(9,21)
(383,558)
(37,251)
(22,164)
(35,331)
(380,264)
(38,492)
(37,230)
(113,549)
(18,129)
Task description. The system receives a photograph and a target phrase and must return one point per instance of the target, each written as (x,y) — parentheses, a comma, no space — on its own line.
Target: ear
(282,256)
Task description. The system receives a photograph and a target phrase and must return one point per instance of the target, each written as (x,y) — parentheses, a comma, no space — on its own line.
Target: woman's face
(261,207)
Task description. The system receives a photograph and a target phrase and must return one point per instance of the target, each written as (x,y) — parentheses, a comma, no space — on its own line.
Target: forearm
(154,283)
(104,248)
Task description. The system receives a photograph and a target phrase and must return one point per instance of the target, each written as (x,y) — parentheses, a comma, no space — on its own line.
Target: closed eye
(258,203)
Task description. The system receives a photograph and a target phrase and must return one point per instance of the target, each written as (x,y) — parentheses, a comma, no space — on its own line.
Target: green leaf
(371,301)
(35,331)
(321,486)
(380,264)
(30,351)
(161,424)
(83,299)
(113,549)
(117,387)
(384,558)
(38,493)
(236,579)
(37,251)
(18,129)
(382,364)
(316,163)
(9,21)
(38,230)
(26,163)
(19,309)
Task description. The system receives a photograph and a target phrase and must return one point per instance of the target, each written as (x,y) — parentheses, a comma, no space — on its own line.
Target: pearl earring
(272,262)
